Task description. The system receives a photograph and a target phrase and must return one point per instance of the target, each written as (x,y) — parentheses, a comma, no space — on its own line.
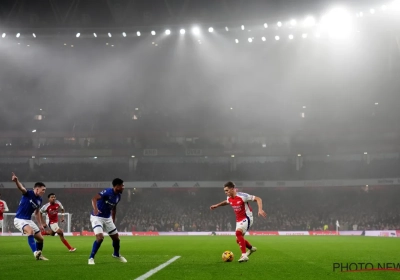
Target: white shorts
(1,223)
(54,227)
(20,224)
(245,224)
(100,224)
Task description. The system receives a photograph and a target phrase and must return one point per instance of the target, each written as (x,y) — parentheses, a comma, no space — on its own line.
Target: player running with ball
(244,216)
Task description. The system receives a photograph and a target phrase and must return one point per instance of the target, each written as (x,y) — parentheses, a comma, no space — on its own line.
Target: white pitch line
(158,268)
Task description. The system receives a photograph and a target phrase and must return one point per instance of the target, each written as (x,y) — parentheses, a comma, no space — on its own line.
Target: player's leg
(28,230)
(240,240)
(96,244)
(113,233)
(56,229)
(251,249)
(241,228)
(47,231)
(64,241)
(248,245)
(24,227)
(39,241)
(97,225)
(39,244)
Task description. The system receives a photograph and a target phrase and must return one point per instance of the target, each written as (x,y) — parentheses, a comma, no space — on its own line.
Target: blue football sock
(96,246)
(116,247)
(32,244)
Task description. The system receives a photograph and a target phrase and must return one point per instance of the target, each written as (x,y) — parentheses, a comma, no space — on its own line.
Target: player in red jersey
(51,209)
(3,208)
(244,216)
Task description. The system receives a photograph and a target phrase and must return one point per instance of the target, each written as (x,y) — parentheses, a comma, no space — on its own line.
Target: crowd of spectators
(183,170)
(182,209)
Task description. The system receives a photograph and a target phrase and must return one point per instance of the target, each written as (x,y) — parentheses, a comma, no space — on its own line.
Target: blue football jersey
(108,201)
(28,204)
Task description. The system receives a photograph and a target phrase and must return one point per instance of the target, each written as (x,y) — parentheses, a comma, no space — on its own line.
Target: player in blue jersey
(103,218)
(30,203)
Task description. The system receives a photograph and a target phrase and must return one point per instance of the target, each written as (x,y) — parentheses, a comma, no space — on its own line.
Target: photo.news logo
(366,266)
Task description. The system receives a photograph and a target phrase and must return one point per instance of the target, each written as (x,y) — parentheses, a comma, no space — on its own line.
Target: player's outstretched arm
(14,178)
(261,212)
(223,203)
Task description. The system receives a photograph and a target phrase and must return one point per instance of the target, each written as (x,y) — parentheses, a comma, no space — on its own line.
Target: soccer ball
(227,256)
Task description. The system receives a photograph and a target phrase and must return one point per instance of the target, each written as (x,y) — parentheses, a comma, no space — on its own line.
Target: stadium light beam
(242,27)
(309,21)
(95,35)
(291,37)
(78,35)
(210,29)
(196,30)
(153,32)
(277,38)
(109,34)
(18,35)
(293,22)
(34,35)
(182,31)
(138,34)
(250,40)
(236,41)
(167,32)
(338,23)
(395,5)
(3,35)
(279,24)
(124,34)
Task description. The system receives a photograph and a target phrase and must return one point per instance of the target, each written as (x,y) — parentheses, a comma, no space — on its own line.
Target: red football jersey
(3,208)
(240,204)
(52,211)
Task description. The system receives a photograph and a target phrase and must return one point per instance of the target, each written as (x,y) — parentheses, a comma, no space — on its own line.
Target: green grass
(278,257)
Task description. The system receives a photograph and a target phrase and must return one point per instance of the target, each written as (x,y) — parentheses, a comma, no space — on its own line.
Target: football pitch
(277,257)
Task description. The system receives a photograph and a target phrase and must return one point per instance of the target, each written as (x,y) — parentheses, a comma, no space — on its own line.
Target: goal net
(8,223)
